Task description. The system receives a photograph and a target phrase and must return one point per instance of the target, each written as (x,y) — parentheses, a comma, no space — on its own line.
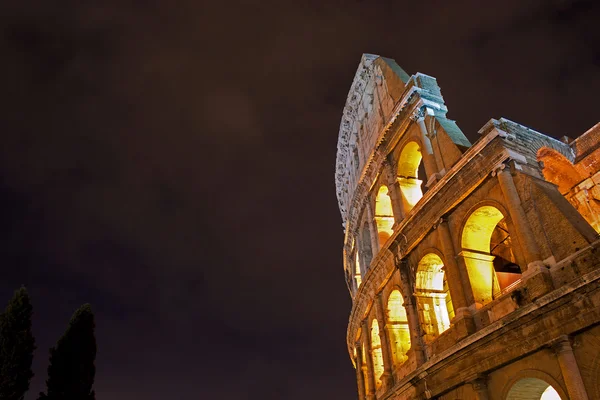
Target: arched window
(397,326)
(488,253)
(408,175)
(384,216)
(433,297)
(376,352)
(357,272)
(534,389)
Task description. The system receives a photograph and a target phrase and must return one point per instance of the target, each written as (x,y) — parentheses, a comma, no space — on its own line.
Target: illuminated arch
(397,327)
(534,389)
(376,353)
(408,175)
(433,297)
(488,253)
(357,272)
(384,215)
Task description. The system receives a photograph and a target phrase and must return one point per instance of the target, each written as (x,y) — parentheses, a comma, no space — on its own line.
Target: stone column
(369,357)
(535,275)
(525,235)
(372,228)
(569,369)
(360,372)
(458,278)
(459,284)
(394,191)
(431,168)
(414,325)
(387,378)
(480,387)
(437,151)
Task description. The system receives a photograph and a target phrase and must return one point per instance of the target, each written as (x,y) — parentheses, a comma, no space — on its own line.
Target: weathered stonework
(474,268)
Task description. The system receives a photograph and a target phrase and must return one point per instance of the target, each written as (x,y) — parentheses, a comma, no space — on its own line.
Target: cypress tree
(71,370)
(16,347)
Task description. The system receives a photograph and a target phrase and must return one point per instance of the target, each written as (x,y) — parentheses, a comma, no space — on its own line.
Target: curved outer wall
(473,267)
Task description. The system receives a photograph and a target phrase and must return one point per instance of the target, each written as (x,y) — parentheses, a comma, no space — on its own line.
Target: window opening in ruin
(534,389)
(384,215)
(357,274)
(376,352)
(433,296)
(583,193)
(397,327)
(489,254)
(408,175)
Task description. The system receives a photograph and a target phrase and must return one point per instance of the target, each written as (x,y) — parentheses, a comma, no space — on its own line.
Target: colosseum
(473,267)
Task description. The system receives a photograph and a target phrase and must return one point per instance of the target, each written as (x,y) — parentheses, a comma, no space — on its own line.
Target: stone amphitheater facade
(474,268)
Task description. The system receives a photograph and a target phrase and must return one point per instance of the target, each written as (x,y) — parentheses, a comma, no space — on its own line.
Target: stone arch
(489,253)
(433,296)
(376,352)
(384,215)
(409,163)
(558,169)
(397,327)
(357,273)
(534,385)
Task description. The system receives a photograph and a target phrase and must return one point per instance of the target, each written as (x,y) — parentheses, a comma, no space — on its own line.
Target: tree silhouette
(16,347)
(71,370)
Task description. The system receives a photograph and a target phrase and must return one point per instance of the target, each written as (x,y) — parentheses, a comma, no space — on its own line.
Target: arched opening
(560,171)
(376,352)
(397,326)
(532,389)
(433,296)
(408,175)
(488,253)
(384,215)
(357,272)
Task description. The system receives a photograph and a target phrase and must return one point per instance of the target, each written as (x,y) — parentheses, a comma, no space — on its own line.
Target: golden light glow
(488,254)
(433,296)
(357,274)
(479,228)
(377,353)
(397,326)
(476,236)
(384,215)
(408,174)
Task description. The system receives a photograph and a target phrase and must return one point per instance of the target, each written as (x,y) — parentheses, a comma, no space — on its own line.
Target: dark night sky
(172,163)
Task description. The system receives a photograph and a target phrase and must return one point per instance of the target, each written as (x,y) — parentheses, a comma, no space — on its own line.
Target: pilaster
(360,372)
(536,275)
(414,325)
(387,377)
(370,394)
(458,282)
(431,168)
(569,368)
